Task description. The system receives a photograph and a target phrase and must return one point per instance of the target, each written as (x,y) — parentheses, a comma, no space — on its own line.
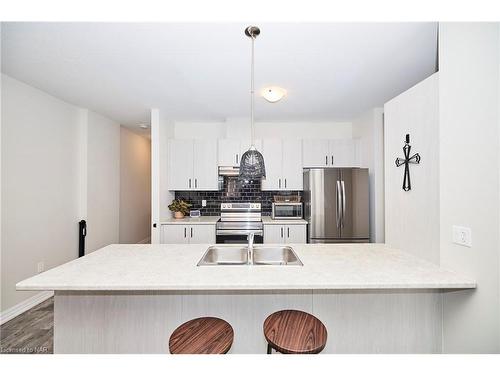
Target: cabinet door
(174,233)
(180,165)
(205,172)
(202,234)
(316,153)
(344,152)
(274,233)
(229,154)
(292,165)
(295,233)
(272,152)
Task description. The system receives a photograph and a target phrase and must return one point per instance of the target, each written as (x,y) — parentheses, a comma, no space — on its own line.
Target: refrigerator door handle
(343,202)
(338,198)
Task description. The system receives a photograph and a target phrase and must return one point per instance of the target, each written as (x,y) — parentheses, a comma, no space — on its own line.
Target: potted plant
(179,207)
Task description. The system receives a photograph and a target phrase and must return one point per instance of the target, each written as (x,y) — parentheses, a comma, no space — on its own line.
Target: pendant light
(252,161)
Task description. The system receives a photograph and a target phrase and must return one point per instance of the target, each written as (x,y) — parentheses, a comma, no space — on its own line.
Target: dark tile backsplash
(233,190)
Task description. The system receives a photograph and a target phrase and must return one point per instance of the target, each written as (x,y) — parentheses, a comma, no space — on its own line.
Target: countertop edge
(89,288)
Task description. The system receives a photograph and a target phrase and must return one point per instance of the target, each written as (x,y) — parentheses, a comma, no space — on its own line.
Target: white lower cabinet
(290,233)
(202,234)
(187,234)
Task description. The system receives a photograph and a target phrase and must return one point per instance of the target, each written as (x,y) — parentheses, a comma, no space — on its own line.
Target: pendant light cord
(252,96)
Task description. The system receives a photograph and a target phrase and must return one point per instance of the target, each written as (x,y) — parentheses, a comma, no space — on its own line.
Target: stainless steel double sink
(238,256)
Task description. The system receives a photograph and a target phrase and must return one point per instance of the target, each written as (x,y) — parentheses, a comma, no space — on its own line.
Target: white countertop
(192,220)
(269,220)
(214,219)
(173,267)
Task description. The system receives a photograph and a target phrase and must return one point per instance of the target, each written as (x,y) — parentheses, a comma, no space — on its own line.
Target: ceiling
(201,72)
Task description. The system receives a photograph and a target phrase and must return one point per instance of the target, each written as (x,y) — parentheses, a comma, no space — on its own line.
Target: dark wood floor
(31,332)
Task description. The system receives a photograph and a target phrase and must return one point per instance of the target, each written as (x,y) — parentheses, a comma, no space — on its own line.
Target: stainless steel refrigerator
(336,205)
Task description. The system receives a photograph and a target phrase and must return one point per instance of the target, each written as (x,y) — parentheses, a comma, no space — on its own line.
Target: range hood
(229,171)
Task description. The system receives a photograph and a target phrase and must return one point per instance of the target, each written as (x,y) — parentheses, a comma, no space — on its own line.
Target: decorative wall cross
(415,159)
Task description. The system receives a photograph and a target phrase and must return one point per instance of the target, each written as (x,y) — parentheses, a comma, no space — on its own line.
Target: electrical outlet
(203,203)
(40,267)
(462,236)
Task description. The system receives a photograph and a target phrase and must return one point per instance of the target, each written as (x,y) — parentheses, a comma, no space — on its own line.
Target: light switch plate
(203,203)
(462,236)
(40,267)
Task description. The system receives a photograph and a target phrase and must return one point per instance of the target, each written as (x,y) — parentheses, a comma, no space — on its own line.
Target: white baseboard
(23,306)
(146,240)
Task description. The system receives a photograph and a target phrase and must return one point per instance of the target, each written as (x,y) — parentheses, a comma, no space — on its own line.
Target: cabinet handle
(326,160)
(184,232)
(288,232)
(281,232)
(190,183)
(195,182)
(285,183)
(191,232)
(332,159)
(236,158)
(279,183)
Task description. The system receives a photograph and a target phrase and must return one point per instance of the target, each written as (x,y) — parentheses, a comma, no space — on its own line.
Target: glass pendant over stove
(252,162)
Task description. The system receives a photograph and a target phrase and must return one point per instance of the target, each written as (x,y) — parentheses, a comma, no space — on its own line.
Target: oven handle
(229,232)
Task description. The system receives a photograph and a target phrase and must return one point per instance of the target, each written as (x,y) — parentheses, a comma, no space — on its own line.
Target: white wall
(161,130)
(135,187)
(60,164)
(369,130)
(103,182)
(40,178)
(469,164)
(303,130)
(240,128)
(412,217)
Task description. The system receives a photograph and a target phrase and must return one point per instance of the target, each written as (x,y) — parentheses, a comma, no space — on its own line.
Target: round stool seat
(205,335)
(294,332)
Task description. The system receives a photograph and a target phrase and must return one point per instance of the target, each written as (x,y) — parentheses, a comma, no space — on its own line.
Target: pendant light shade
(252,162)
(252,165)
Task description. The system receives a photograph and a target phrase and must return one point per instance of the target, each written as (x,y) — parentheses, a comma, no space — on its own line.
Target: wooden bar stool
(294,332)
(205,335)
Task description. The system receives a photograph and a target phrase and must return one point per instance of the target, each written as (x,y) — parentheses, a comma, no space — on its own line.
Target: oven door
(238,236)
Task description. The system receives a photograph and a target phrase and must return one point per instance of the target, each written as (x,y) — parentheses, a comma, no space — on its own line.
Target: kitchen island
(130,298)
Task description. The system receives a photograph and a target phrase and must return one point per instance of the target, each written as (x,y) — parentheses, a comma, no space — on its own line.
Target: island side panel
(381,321)
(142,322)
(129,322)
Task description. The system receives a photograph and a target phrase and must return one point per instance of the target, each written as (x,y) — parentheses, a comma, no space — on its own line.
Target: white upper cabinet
(273,159)
(229,153)
(231,150)
(180,165)
(205,173)
(344,152)
(316,153)
(292,165)
(192,164)
(283,160)
(330,153)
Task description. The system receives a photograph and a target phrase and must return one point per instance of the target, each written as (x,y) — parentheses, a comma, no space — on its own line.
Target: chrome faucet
(250,239)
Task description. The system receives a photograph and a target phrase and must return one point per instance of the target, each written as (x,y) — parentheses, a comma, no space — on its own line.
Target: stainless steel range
(237,220)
